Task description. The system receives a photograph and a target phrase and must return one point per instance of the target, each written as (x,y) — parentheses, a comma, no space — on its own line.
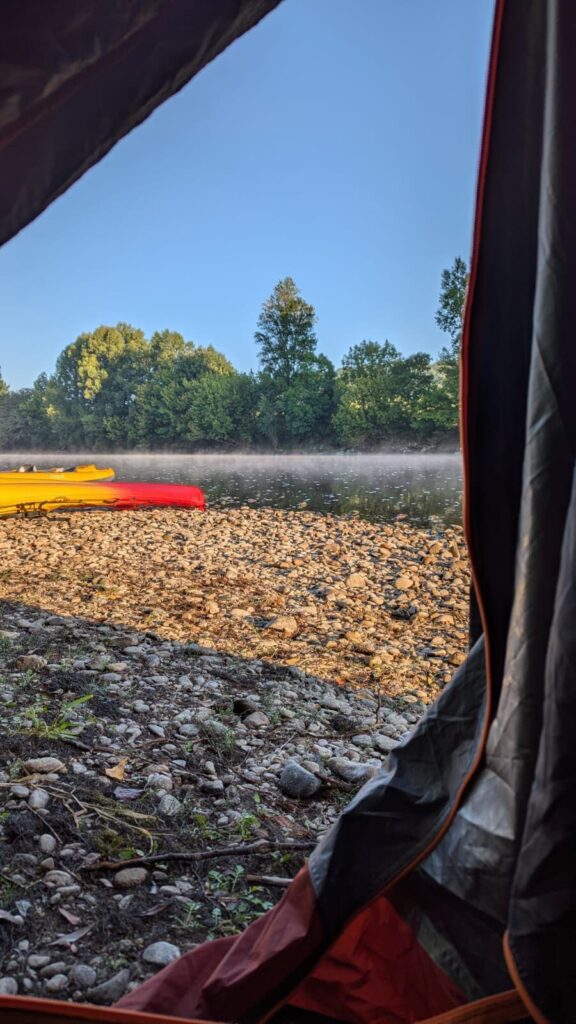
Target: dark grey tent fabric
(77,76)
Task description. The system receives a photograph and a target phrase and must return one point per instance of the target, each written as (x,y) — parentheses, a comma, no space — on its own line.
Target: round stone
(128,877)
(160,953)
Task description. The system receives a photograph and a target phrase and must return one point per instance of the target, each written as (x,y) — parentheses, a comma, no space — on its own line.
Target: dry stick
(262,846)
(272,880)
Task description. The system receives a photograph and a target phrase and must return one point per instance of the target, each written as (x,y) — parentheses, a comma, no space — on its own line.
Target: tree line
(114,389)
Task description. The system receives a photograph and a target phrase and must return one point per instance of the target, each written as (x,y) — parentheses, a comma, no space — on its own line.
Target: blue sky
(336,143)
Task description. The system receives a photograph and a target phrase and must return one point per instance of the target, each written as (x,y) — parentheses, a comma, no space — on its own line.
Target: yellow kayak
(57,474)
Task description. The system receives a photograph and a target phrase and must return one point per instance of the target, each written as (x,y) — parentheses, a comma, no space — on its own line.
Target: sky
(337,143)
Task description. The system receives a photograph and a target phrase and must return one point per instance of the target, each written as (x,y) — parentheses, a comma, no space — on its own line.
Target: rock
(404,583)
(160,953)
(188,729)
(82,975)
(156,780)
(169,805)
(8,987)
(298,782)
(44,764)
(110,991)
(356,581)
(284,624)
(37,960)
(215,786)
(257,720)
(140,706)
(384,743)
(157,730)
(47,843)
(30,663)
(350,771)
(58,967)
(58,983)
(21,792)
(58,879)
(126,878)
(363,739)
(38,799)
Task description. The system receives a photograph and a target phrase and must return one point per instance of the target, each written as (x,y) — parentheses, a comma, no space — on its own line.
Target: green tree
(296,384)
(222,409)
(365,392)
(95,385)
(4,389)
(451,308)
(167,410)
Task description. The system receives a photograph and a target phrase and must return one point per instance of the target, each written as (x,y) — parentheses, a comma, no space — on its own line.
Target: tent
(446,892)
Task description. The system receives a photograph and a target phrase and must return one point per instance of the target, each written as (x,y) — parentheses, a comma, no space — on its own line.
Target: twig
(262,846)
(272,880)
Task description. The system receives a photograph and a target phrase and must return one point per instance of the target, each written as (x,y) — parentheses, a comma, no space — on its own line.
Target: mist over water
(426,489)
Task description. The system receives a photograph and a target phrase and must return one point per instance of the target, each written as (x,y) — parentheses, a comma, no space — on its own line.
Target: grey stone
(58,879)
(111,990)
(298,782)
(169,805)
(22,792)
(37,960)
(157,780)
(160,953)
(8,987)
(384,743)
(82,975)
(127,877)
(58,967)
(350,771)
(47,843)
(212,786)
(38,799)
(363,740)
(44,764)
(58,983)
(188,729)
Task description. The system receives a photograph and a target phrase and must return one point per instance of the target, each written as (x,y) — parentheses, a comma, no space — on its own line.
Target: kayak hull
(23,497)
(56,474)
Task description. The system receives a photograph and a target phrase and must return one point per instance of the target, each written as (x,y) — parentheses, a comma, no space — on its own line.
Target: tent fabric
(446,891)
(76,77)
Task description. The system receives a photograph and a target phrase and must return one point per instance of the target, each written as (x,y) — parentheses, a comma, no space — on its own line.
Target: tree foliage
(296,384)
(114,389)
(450,311)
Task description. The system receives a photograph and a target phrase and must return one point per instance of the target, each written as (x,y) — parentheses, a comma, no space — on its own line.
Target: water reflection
(423,488)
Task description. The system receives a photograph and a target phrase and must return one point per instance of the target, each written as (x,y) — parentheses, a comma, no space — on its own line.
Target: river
(424,489)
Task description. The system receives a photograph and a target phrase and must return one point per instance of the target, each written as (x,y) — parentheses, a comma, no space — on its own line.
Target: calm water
(426,489)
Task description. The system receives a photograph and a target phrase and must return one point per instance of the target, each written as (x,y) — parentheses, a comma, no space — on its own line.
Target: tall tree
(297,385)
(450,311)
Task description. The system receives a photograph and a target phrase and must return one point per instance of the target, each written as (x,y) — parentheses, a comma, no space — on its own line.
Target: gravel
(148,724)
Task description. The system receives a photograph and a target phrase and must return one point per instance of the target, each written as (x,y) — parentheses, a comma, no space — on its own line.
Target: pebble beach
(187,701)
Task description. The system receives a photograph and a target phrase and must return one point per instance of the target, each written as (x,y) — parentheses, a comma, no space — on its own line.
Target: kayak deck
(31,474)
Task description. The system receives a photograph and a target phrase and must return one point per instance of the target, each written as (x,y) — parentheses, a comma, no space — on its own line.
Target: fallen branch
(272,880)
(260,847)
